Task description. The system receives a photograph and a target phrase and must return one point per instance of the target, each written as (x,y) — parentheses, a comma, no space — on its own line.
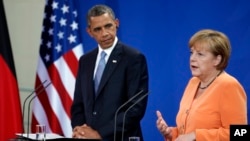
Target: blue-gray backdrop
(161,30)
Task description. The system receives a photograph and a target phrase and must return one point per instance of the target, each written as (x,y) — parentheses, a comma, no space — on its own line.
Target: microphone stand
(30,103)
(123,125)
(124,104)
(28,98)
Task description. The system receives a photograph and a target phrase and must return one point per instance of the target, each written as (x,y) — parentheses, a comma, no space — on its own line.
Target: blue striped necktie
(99,70)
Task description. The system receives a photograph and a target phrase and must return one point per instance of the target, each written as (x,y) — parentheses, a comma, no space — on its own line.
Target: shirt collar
(108,50)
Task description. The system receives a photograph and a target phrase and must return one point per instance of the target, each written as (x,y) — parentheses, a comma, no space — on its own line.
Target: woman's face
(202,62)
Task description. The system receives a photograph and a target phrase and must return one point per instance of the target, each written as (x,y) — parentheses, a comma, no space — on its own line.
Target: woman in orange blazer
(213,99)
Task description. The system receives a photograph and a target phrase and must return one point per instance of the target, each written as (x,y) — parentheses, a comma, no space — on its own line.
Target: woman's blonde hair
(217,43)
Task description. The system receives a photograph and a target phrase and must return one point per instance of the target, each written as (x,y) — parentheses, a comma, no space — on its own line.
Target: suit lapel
(90,72)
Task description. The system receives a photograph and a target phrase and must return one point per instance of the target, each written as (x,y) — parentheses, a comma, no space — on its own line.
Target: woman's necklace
(209,82)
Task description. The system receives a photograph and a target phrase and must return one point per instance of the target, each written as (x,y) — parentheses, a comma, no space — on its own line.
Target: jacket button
(94,113)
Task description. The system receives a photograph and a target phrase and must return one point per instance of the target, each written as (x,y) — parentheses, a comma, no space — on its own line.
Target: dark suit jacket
(125,74)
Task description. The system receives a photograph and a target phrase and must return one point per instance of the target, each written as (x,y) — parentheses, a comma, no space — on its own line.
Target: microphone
(29,97)
(124,104)
(39,92)
(123,124)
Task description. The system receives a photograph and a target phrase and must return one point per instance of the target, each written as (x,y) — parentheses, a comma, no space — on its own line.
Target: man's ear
(89,31)
(117,23)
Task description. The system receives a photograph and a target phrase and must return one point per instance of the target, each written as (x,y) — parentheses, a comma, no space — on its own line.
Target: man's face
(103,29)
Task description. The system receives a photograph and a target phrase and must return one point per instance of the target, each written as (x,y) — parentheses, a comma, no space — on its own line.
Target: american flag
(60,50)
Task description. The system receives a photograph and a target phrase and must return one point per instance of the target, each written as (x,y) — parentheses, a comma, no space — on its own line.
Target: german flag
(10,107)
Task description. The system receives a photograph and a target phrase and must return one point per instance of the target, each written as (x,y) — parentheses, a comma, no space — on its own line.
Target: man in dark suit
(125,74)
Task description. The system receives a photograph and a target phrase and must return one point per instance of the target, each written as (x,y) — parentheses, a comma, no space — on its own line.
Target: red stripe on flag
(57,82)
(72,61)
(34,122)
